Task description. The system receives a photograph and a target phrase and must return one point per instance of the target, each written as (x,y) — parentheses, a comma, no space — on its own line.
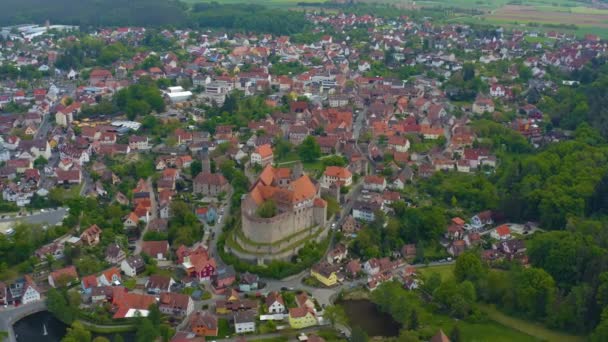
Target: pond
(366,315)
(44,327)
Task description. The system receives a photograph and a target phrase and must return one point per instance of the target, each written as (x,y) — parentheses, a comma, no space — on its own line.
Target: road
(153,215)
(49,216)
(10,315)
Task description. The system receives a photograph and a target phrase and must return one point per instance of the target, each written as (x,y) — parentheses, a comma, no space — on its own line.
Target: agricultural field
(546,15)
(267,3)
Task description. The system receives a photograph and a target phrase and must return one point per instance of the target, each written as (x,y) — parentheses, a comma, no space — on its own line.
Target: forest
(90,14)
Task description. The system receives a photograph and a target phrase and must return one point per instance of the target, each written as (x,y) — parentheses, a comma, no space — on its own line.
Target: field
(445,271)
(546,15)
(527,327)
(267,3)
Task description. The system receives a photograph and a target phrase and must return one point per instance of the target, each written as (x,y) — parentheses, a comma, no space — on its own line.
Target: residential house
(210,184)
(244,322)
(336,175)
(109,277)
(225,276)
(91,236)
(175,304)
(483,105)
(353,268)
(199,266)
(30,293)
(156,284)
(337,254)
(374,183)
(275,303)
(501,232)
(262,155)
(203,323)
(248,282)
(158,250)
(325,273)
(398,143)
(481,219)
(114,254)
(365,211)
(130,304)
(132,266)
(63,277)
(302,317)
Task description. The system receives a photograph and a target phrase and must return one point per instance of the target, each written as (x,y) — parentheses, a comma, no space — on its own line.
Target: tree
(358,335)
(146,331)
(533,291)
(468,71)
(335,314)
(309,150)
(600,334)
(468,267)
(455,334)
(267,209)
(196,167)
(77,333)
(40,162)
(101,339)
(57,304)
(413,322)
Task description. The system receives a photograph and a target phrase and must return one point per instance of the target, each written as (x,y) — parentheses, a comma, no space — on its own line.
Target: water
(365,314)
(31,328)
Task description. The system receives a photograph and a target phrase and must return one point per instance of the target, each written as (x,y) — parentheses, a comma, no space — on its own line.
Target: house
(408,251)
(336,175)
(210,184)
(262,155)
(199,266)
(109,277)
(439,337)
(91,235)
(138,143)
(302,300)
(248,282)
(63,277)
(203,323)
(206,214)
(350,225)
(175,304)
(374,266)
(365,211)
(158,283)
(302,317)
(244,322)
(481,219)
(54,249)
(497,90)
(158,250)
(399,143)
(31,293)
(132,266)
(483,105)
(225,276)
(374,183)
(275,303)
(114,254)
(501,232)
(325,273)
(130,304)
(353,268)
(337,254)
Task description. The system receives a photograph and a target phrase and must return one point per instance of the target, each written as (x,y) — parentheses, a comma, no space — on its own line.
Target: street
(48,216)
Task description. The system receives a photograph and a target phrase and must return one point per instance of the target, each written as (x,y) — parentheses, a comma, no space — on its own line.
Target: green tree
(413,322)
(309,150)
(358,335)
(335,314)
(196,167)
(600,334)
(146,331)
(77,333)
(267,209)
(58,305)
(455,335)
(468,267)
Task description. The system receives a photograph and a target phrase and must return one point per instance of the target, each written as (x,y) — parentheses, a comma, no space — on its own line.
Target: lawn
(533,329)
(445,271)
(267,3)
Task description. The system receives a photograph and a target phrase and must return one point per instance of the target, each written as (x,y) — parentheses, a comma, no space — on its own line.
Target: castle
(299,215)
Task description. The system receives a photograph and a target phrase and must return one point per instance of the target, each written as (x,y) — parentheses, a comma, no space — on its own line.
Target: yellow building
(325,273)
(302,317)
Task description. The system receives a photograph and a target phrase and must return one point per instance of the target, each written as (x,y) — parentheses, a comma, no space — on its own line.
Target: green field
(445,271)
(528,327)
(267,3)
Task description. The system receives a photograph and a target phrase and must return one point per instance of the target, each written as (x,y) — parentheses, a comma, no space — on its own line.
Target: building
(244,322)
(325,273)
(302,317)
(114,254)
(91,235)
(336,175)
(132,266)
(157,284)
(203,323)
(297,207)
(248,282)
(210,184)
(275,303)
(501,232)
(365,211)
(262,155)
(175,304)
(374,183)
(63,277)
(158,250)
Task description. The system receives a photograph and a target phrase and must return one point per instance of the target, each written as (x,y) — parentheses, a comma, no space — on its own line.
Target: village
(188,181)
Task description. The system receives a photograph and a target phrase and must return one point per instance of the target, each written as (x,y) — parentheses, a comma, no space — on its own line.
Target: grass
(107,329)
(267,3)
(533,329)
(445,271)
(223,328)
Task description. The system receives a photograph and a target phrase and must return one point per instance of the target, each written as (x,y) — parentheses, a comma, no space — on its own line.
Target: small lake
(32,327)
(365,314)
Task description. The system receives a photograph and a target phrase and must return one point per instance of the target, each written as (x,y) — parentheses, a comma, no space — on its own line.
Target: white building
(244,322)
